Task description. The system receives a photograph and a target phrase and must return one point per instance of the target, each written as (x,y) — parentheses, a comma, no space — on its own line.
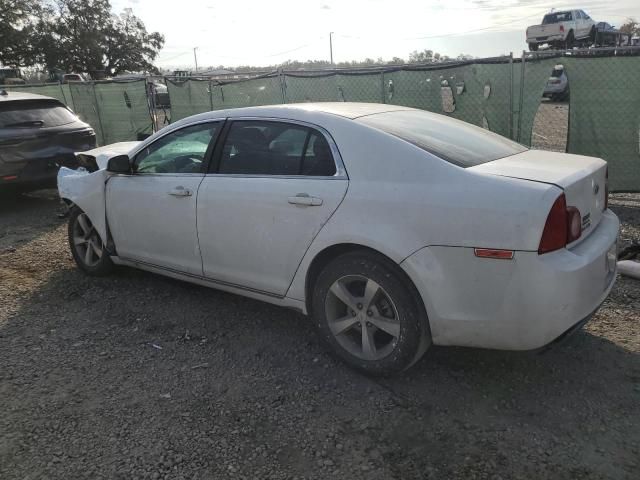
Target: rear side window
(34,113)
(456,142)
(275,148)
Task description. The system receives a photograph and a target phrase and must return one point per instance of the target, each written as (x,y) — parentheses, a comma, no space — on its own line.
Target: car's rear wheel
(87,247)
(369,314)
(533,47)
(570,41)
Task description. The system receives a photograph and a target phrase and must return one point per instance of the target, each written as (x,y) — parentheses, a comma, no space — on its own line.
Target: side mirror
(119,164)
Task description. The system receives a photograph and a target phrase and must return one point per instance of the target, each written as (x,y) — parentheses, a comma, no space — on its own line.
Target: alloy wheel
(362,317)
(86,241)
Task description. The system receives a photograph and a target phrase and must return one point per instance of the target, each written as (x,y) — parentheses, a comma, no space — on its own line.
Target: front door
(276,185)
(152,213)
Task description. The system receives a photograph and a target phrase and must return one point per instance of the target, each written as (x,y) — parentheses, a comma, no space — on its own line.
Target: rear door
(152,213)
(274,185)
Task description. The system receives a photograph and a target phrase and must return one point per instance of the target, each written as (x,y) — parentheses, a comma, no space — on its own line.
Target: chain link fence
(580,101)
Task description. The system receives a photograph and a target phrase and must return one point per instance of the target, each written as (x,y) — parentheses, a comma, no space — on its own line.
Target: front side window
(275,148)
(182,151)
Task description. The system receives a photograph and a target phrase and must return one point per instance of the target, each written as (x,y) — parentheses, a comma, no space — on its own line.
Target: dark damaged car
(37,135)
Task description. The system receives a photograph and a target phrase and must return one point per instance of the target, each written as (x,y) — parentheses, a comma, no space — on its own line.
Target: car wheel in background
(87,247)
(533,47)
(570,41)
(370,314)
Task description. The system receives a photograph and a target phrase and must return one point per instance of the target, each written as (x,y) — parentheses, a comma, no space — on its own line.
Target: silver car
(557,88)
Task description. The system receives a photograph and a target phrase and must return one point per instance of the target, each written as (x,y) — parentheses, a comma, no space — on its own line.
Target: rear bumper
(551,90)
(519,304)
(546,39)
(35,171)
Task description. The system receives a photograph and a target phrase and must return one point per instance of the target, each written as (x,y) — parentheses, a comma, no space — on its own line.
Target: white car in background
(562,30)
(557,87)
(394,228)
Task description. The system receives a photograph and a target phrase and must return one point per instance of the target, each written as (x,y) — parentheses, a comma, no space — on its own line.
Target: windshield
(556,17)
(34,113)
(456,142)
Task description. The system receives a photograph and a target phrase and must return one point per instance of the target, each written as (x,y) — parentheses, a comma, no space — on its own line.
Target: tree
(425,56)
(18,32)
(631,27)
(84,36)
(129,46)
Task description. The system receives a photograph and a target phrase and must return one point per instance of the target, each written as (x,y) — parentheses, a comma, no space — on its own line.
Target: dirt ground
(137,376)
(551,126)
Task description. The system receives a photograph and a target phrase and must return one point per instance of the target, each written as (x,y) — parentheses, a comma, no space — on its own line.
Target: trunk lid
(581,178)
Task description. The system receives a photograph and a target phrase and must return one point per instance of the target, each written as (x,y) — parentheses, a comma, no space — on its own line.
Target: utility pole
(331,47)
(195,57)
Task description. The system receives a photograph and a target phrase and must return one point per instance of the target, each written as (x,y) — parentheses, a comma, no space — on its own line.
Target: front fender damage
(87,191)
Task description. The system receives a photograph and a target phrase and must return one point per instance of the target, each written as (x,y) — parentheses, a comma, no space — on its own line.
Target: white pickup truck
(562,30)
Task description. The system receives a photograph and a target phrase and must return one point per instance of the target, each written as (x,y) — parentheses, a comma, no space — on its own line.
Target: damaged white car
(393,228)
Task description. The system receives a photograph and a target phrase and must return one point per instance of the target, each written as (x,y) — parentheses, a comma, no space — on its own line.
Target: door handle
(305,199)
(180,191)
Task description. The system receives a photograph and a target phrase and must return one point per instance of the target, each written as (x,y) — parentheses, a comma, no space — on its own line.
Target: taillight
(574,224)
(606,189)
(562,28)
(563,226)
(554,235)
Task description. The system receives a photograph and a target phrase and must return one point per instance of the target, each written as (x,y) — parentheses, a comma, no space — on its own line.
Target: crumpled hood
(86,189)
(103,154)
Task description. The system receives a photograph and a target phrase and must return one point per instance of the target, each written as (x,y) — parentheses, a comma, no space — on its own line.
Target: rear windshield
(557,72)
(34,113)
(556,17)
(456,142)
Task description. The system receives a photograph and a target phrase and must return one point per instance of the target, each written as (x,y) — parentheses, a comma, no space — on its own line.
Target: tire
(570,41)
(83,238)
(384,303)
(533,47)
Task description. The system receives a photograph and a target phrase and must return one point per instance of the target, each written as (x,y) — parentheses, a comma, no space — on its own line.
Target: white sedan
(393,228)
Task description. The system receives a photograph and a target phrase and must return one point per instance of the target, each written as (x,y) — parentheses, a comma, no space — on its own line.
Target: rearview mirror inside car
(119,164)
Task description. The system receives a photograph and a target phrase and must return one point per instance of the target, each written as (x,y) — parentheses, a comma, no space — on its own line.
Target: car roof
(296,111)
(349,110)
(12,96)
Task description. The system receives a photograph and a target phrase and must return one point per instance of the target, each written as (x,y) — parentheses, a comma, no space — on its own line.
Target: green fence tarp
(188,97)
(247,93)
(123,109)
(536,74)
(604,115)
(117,111)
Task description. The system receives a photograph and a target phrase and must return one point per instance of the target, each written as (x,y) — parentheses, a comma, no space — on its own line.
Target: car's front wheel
(369,314)
(87,247)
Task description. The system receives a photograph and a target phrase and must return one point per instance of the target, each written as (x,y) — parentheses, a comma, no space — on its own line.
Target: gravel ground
(139,376)
(551,126)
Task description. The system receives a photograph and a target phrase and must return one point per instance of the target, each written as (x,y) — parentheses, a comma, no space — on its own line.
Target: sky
(259,32)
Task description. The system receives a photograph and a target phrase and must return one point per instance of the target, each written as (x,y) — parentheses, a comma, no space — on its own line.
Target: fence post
(521,100)
(511,95)
(382,93)
(95,96)
(151,105)
(63,95)
(210,95)
(283,85)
